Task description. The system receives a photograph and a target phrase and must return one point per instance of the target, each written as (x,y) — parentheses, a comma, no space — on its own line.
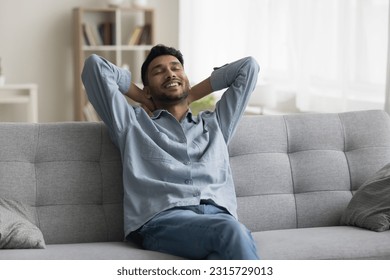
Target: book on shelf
(96,35)
(141,35)
(89,37)
(100,34)
(135,36)
(146,38)
(107,33)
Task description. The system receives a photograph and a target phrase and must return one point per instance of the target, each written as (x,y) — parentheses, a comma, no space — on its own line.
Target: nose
(170,74)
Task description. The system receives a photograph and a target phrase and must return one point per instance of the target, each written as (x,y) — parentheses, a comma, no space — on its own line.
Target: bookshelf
(122,35)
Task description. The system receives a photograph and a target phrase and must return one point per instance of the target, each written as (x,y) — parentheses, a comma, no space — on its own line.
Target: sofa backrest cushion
(302,170)
(70,173)
(289,171)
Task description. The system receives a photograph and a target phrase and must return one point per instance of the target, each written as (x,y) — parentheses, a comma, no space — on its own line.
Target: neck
(177,110)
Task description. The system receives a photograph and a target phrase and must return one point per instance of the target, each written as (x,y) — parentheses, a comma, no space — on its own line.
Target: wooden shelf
(21,94)
(107,32)
(117,48)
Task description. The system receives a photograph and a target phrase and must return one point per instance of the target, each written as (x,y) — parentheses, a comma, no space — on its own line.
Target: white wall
(36,47)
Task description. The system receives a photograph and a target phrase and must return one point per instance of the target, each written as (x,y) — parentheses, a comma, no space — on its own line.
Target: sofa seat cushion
(85,251)
(338,242)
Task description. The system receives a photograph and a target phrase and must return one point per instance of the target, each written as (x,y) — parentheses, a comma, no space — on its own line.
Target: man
(179,195)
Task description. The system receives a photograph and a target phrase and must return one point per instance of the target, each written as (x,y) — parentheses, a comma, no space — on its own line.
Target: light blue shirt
(167,163)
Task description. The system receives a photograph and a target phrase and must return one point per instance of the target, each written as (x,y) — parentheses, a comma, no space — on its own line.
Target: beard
(170,99)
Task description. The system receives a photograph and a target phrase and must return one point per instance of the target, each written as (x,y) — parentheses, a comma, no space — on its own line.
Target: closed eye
(157,71)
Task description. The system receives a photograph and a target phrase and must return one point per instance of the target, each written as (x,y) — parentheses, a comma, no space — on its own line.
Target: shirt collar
(157,114)
(190,117)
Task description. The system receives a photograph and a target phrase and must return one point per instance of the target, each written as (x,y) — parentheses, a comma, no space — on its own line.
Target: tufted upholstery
(71,173)
(295,171)
(301,170)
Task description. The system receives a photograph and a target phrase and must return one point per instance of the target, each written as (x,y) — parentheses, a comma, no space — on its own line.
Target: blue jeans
(198,232)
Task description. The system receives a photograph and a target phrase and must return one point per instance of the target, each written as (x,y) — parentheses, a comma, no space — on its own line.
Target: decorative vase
(140,3)
(115,3)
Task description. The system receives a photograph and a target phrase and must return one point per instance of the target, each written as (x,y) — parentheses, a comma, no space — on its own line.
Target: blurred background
(315,55)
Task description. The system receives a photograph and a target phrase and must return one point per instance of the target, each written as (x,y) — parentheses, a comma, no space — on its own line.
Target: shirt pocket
(210,147)
(157,147)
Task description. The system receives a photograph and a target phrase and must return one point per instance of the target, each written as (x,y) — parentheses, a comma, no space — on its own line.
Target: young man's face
(167,80)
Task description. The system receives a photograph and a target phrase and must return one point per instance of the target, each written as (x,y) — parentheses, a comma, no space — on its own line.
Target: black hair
(156,51)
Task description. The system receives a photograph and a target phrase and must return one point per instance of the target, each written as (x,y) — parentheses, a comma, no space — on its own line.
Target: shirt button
(187,163)
(188,181)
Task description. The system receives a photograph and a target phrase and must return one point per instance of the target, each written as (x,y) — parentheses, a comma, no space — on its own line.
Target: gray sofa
(294,176)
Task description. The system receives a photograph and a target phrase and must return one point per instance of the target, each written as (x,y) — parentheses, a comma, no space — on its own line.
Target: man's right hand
(138,95)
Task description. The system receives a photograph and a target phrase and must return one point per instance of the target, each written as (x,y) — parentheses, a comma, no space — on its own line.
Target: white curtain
(330,54)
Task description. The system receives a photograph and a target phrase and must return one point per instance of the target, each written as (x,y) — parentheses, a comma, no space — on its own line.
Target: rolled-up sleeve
(105,85)
(240,77)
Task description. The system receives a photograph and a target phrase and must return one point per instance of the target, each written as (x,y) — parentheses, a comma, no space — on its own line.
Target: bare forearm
(138,95)
(200,90)
(135,93)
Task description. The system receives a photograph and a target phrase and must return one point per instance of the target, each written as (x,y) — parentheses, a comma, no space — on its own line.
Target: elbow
(91,64)
(252,64)
(252,68)
(93,59)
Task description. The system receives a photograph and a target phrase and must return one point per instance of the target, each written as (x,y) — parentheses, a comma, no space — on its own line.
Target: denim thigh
(197,232)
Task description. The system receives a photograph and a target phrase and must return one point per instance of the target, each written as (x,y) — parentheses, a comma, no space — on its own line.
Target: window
(331,55)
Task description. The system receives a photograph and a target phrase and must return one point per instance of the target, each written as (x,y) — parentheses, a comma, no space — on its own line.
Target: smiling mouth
(172,84)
